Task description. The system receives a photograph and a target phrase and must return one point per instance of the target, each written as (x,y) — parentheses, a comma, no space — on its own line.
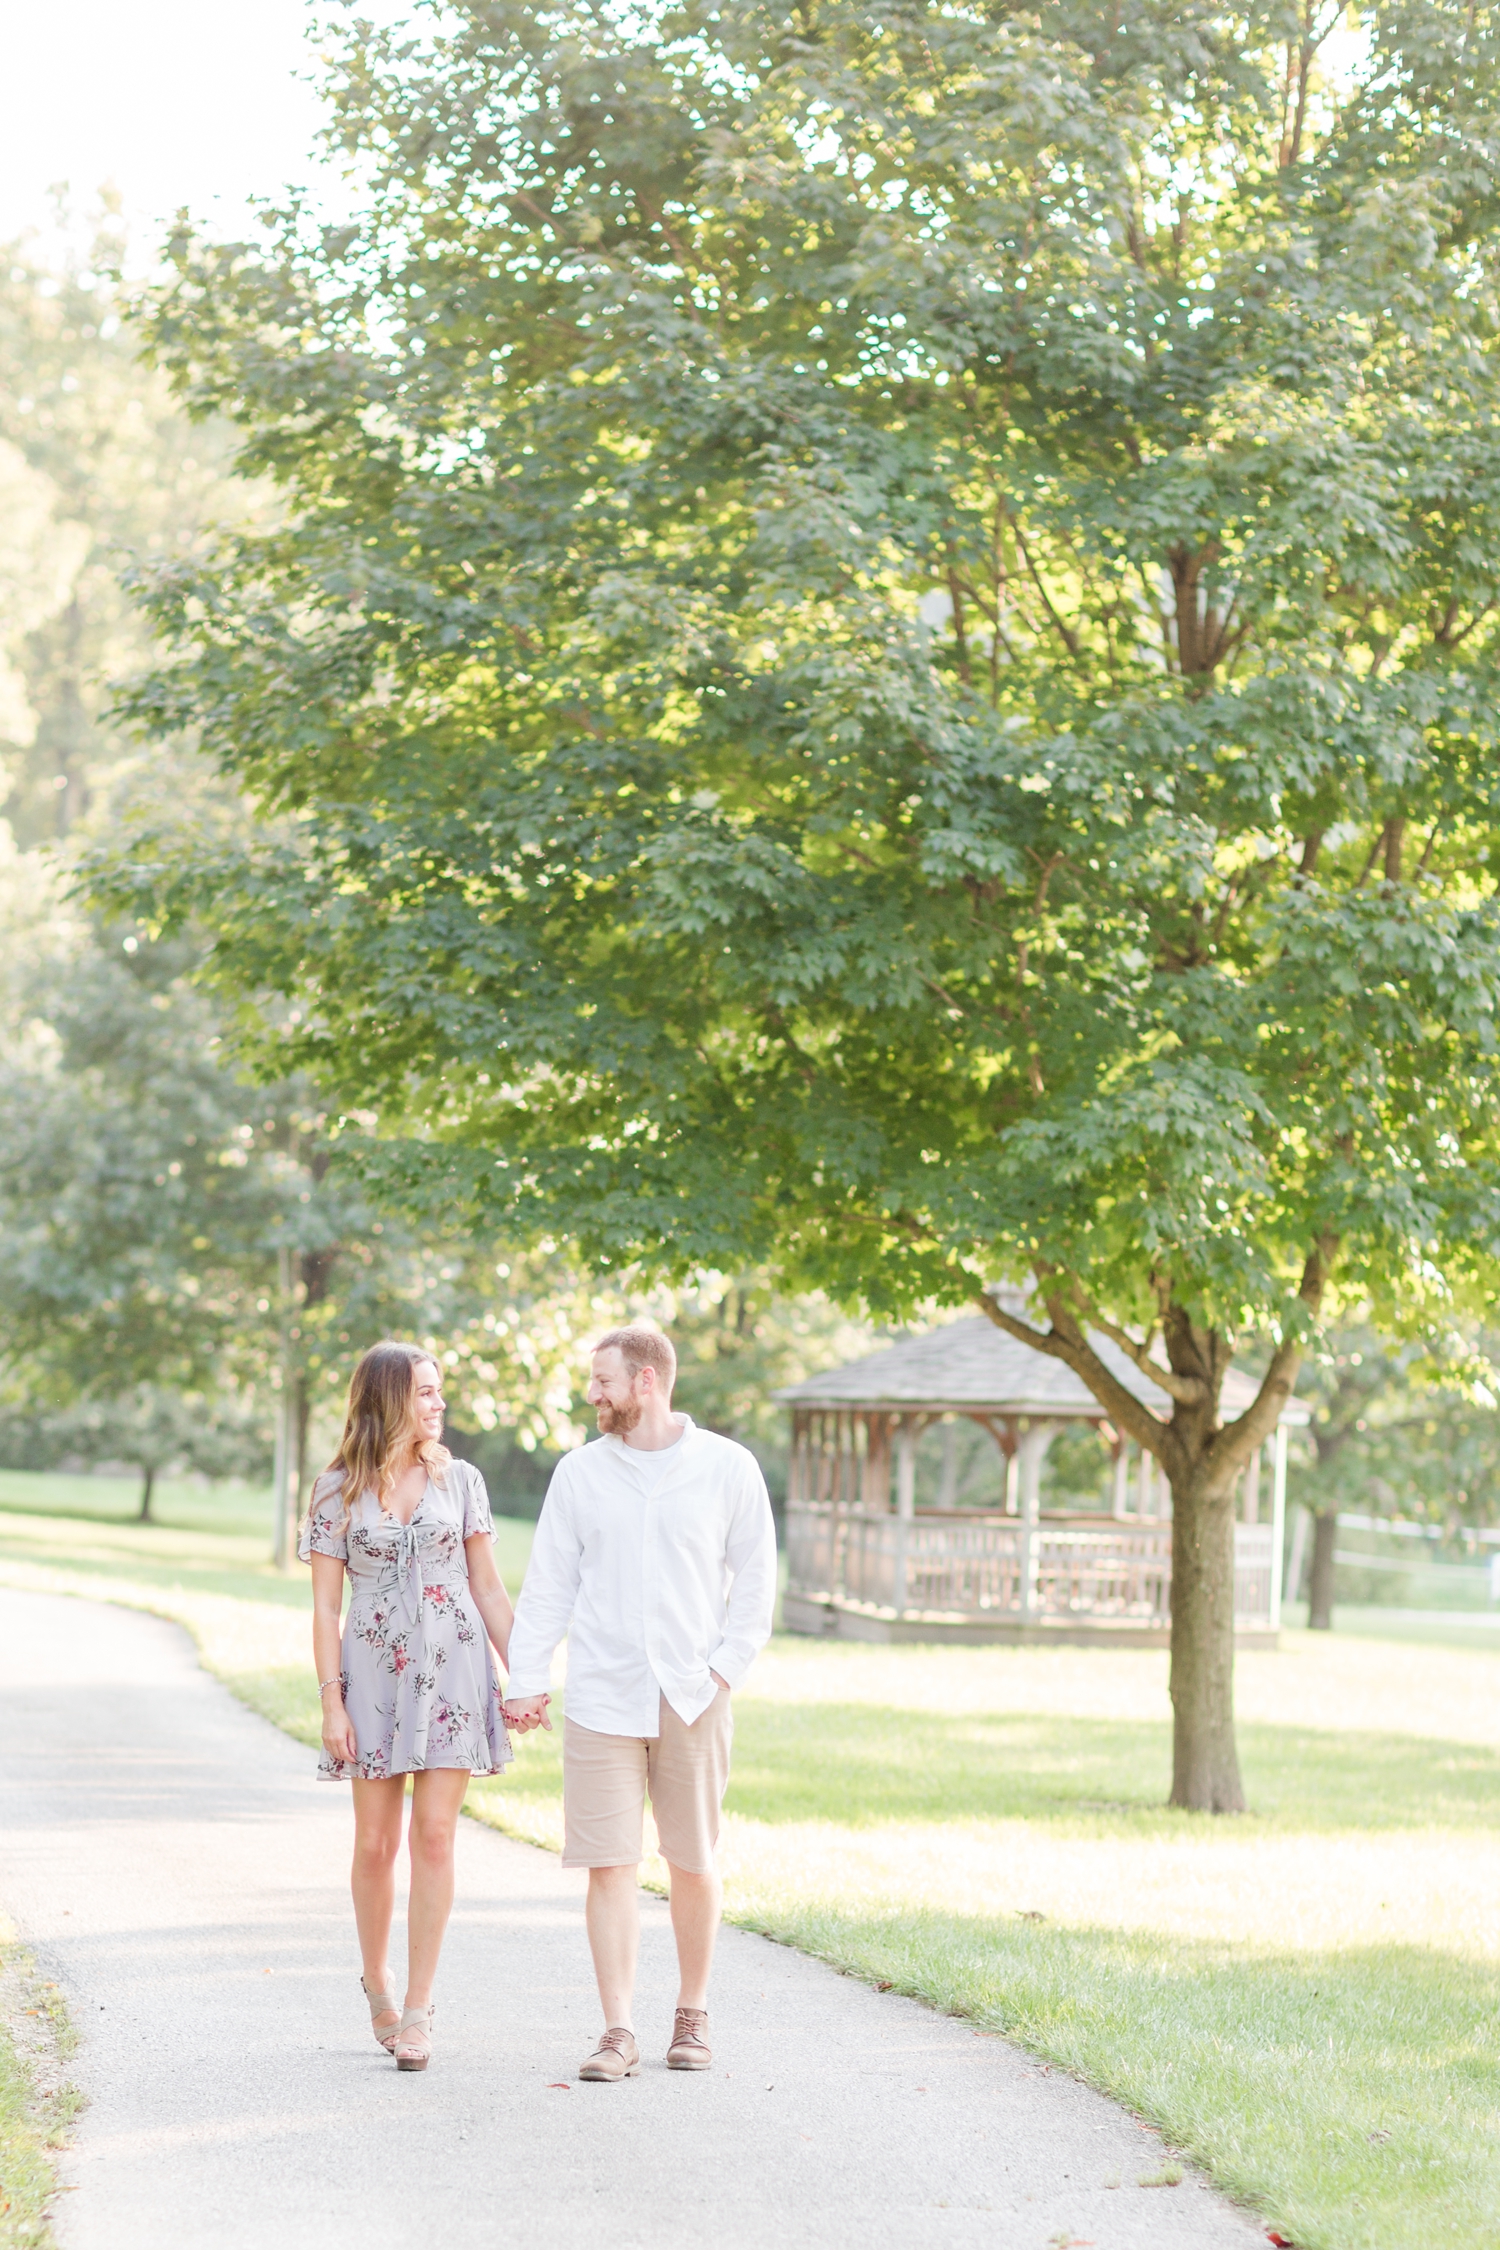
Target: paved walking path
(174,1865)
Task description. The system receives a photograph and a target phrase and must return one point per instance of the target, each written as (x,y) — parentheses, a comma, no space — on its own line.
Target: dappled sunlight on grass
(145,1554)
(858,1764)
(1314,1680)
(177,1503)
(1430,1887)
(119,1553)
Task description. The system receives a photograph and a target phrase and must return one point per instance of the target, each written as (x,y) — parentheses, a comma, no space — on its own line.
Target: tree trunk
(299,1458)
(1202,1461)
(1205,1762)
(148,1482)
(1320,1586)
(292,1411)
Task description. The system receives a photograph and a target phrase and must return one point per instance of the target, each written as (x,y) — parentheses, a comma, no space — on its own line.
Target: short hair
(643,1347)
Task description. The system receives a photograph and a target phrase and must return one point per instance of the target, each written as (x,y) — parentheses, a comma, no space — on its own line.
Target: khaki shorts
(607,1777)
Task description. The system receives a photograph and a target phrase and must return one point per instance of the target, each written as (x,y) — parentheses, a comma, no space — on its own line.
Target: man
(656,1547)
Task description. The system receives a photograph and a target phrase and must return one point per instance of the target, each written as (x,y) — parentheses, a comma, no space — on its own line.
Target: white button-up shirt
(660,1567)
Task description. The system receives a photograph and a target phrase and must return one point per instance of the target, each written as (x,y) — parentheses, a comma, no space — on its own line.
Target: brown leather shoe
(690,2049)
(616,2056)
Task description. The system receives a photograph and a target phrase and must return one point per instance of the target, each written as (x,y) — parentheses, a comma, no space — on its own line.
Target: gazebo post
(1252,1488)
(1122,1475)
(906,1507)
(906,1470)
(878,1462)
(1278,1523)
(948,1488)
(1029,1454)
(826,1488)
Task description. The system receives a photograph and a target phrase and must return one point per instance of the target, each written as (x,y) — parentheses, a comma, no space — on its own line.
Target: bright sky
(202,102)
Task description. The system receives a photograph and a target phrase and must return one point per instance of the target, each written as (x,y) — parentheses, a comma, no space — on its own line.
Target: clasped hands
(523,1712)
(527,1711)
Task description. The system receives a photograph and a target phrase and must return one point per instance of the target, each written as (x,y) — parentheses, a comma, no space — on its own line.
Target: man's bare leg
(613,1918)
(697,1904)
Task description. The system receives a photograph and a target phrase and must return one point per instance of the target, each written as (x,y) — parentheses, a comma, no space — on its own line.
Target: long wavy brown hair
(380,1422)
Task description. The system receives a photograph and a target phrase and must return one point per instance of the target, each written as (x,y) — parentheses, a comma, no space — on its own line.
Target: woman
(412,1689)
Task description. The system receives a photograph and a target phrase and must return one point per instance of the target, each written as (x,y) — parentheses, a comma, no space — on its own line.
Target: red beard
(617,1421)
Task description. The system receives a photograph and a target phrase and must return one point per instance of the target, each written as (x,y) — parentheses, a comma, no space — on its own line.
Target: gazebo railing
(958,1565)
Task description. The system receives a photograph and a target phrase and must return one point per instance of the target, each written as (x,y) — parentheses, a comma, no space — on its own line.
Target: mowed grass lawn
(1306,2000)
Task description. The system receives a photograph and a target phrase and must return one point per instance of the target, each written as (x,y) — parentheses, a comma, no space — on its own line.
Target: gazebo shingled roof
(968,1365)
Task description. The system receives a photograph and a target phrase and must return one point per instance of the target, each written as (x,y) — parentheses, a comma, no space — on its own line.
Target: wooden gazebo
(866,1562)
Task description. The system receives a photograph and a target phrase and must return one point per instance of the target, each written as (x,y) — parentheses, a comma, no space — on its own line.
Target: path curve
(172,1862)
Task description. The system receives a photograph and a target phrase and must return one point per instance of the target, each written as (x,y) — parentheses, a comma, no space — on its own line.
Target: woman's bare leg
(377,1839)
(435,1800)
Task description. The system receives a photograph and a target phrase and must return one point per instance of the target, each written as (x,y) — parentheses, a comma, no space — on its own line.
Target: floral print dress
(418,1673)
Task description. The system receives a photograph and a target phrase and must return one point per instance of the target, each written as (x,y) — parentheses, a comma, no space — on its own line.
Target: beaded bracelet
(325,1685)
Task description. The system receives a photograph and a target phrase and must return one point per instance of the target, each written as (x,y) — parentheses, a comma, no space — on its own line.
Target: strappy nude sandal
(413,2043)
(381,2004)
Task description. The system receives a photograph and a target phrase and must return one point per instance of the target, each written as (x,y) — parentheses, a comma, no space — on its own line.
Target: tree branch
(1453,640)
(1261,1416)
(1048,869)
(1069,638)
(1370,862)
(960,637)
(1395,836)
(1040,1339)
(956,1007)
(1189,1390)
(1123,1407)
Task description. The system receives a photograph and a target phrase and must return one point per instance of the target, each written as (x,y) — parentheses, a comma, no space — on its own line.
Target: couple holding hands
(655,1554)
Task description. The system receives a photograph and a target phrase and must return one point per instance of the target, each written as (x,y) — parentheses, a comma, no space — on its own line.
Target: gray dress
(418,1674)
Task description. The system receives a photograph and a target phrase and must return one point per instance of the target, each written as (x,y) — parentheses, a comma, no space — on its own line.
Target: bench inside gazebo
(915,1507)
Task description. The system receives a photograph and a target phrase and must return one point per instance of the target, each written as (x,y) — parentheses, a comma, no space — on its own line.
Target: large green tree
(881,657)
